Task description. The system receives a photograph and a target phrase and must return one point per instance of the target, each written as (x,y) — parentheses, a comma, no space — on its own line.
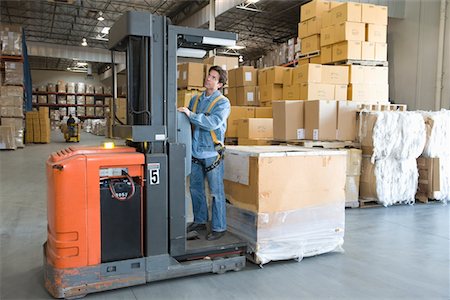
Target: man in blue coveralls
(208,114)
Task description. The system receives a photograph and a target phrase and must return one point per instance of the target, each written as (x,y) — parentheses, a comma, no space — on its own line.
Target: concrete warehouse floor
(390,253)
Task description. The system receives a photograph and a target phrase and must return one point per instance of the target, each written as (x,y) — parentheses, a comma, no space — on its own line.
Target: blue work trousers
(197,188)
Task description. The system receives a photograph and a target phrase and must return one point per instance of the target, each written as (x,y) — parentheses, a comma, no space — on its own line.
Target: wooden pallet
(309,54)
(15,58)
(352,204)
(371,63)
(422,198)
(366,203)
(257,142)
(382,107)
(231,141)
(324,144)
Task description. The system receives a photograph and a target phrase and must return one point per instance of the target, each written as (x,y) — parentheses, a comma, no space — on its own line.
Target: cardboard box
(311,44)
(7,139)
(347,50)
(291,92)
(253,128)
(327,35)
(280,179)
(307,73)
(314,25)
(263,112)
(14,91)
(270,92)
(367,51)
(275,75)
(225,62)
(287,76)
(246,96)
(288,120)
(362,92)
(303,29)
(191,75)
(367,185)
(320,120)
(382,92)
(246,76)
(381,51)
(376,75)
(340,92)
(326,54)
(346,120)
(313,9)
(349,31)
(316,91)
(316,59)
(352,189)
(430,179)
(232,78)
(346,12)
(237,112)
(184,97)
(232,96)
(335,74)
(374,14)
(327,19)
(262,77)
(376,33)
(303,61)
(354,159)
(356,74)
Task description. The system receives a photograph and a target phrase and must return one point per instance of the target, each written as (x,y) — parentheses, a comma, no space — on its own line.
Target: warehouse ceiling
(66,22)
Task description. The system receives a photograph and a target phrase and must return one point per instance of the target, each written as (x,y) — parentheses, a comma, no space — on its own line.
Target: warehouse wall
(412,55)
(42,77)
(446,78)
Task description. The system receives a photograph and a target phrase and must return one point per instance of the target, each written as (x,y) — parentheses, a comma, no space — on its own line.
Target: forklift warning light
(108,145)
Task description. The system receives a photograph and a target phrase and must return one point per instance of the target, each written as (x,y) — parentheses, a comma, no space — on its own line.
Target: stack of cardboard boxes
(243,90)
(355,31)
(38,126)
(11,88)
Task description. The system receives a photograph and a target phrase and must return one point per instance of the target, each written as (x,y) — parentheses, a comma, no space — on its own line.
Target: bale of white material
(399,135)
(396,180)
(438,133)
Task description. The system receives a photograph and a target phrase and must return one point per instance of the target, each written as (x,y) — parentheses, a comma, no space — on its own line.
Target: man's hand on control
(185,110)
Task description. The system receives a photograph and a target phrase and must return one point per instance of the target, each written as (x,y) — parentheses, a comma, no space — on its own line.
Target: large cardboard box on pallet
(320,120)
(225,62)
(237,112)
(367,51)
(288,120)
(275,75)
(327,35)
(335,74)
(279,179)
(270,92)
(263,112)
(184,97)
(291,92)
(326,54)
(316,91)
(376,33)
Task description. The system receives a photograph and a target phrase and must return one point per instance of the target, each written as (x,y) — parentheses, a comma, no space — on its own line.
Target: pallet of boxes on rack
(83,101)
(11,88)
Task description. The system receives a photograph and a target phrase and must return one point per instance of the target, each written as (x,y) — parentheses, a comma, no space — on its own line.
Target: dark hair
(222,74)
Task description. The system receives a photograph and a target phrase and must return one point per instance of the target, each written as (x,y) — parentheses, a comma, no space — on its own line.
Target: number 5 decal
(153,169)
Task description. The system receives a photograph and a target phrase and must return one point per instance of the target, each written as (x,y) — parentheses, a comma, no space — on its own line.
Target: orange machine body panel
(73,205)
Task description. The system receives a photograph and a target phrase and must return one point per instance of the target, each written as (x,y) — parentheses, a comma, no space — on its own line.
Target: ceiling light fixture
(105,30)
(190,52)
(100,16)
(241,58)
(84,42)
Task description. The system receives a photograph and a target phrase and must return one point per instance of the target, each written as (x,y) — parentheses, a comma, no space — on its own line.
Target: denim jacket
(202,142)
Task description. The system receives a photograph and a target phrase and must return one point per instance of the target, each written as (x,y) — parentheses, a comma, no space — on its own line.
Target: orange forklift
(117,215)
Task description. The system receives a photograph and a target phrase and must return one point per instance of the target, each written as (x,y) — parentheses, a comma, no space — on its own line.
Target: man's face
(212,80)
